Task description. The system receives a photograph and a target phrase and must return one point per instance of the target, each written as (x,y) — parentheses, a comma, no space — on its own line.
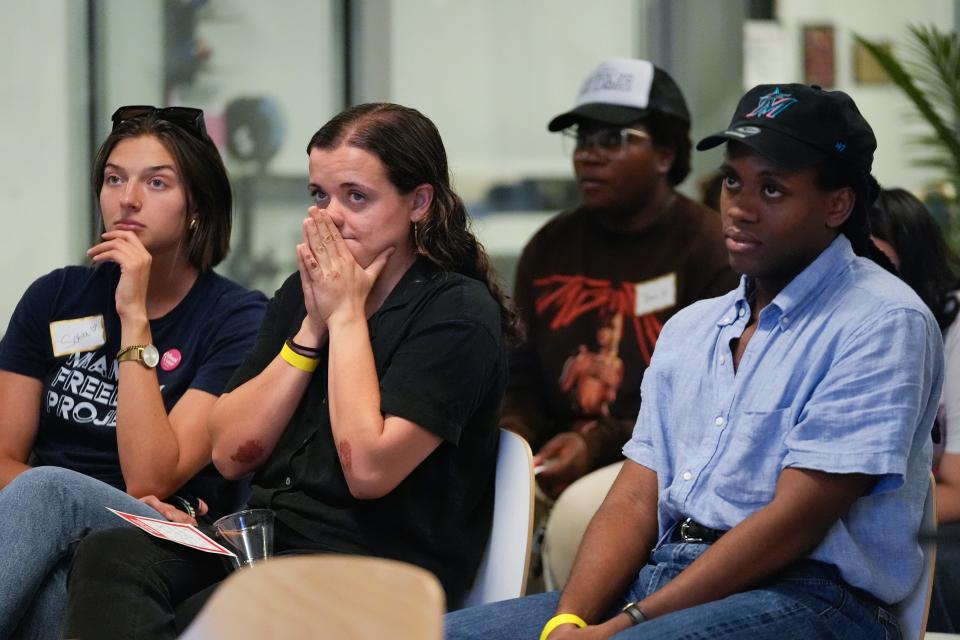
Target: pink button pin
(170,360)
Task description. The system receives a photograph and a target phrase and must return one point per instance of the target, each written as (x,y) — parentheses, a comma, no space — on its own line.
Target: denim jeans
(44,513)
(805,601)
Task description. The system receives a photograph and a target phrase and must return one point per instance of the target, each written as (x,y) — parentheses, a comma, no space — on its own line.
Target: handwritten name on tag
(655,295)
(77,335)
(185,534)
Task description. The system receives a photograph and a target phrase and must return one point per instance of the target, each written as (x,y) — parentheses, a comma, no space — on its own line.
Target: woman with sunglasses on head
(368,408)
(109,372)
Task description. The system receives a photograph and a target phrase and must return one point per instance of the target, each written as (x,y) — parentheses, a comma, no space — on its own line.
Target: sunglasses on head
(187,118)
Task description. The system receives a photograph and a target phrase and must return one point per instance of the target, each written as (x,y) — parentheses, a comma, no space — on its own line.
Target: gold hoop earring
(416,241)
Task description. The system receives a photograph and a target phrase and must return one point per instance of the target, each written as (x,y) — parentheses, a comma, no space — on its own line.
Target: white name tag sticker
(655,295)
(77,335)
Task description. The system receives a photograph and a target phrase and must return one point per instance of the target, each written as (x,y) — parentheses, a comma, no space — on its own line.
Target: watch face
(151,357)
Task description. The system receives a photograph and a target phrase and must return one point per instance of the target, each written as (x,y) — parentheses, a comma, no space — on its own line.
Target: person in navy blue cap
(776,476)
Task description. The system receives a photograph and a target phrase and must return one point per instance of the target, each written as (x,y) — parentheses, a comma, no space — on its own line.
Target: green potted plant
(928,72)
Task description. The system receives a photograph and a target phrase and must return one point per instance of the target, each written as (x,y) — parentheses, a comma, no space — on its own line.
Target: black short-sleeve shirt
(441,363)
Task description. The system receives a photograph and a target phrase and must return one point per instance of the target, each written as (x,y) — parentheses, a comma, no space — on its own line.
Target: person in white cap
(595,284)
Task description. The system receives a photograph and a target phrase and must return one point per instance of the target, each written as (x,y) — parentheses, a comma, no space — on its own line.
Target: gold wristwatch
(145,354)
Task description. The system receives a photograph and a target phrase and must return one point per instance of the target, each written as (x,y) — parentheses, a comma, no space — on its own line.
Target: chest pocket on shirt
(751,458)
(767,395)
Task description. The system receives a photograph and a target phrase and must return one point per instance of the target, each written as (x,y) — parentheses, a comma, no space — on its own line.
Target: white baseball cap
(622,90)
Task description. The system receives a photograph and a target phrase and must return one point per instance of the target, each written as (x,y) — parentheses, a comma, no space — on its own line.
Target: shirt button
(741,312)
(723,360)
(687,475)
(287,481)
(726,319)
(784,320)
(719,421)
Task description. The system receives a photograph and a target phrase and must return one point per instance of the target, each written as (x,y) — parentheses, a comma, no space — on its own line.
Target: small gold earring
(416,241)
(193,224)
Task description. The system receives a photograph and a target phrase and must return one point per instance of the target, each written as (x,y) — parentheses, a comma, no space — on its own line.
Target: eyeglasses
(187,118)
(611,142)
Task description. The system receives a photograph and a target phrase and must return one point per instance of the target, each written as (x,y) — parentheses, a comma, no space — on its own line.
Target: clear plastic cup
(249,534)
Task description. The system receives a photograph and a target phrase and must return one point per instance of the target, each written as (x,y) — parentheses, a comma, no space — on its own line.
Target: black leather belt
(692,531)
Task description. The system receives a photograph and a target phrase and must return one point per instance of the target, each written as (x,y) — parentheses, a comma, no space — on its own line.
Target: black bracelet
(299,349)
(185,505)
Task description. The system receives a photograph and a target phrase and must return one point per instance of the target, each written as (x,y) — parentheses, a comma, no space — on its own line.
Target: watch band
(636,614)
(124,353)
(145,354)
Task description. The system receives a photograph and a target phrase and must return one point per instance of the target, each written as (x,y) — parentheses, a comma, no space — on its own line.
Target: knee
(100,554)
(42,485)
(518,618)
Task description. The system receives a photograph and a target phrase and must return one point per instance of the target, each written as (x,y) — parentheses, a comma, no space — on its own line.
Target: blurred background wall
(490,74)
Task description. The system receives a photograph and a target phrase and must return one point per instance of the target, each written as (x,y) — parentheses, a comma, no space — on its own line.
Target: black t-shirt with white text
(53,337)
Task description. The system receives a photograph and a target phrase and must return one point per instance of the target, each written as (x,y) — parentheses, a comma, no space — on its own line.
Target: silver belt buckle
(685,534)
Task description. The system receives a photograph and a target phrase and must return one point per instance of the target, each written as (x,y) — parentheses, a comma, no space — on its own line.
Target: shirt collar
(836,256)
(740,302)
(422,270)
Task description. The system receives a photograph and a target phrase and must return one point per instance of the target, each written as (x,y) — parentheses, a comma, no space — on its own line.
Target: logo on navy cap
(772,105)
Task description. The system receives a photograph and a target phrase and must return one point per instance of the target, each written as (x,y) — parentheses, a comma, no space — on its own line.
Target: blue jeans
(44,513)
(805,601)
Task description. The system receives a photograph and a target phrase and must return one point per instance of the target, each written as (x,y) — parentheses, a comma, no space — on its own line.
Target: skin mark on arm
(346,455)
(248,452)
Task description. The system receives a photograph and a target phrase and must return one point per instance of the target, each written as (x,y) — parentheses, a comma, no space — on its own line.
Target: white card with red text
(185,534)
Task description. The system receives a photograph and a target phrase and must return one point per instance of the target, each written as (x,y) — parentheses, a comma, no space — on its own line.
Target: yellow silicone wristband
(294,359)
(559,619)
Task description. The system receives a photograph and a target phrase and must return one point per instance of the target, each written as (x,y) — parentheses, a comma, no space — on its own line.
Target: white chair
(568,521)
(506,559)
(912,611)
(324,596)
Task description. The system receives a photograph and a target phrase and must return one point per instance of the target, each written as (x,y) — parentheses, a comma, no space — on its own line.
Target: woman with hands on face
(108,372)
(368,409)
(332,280)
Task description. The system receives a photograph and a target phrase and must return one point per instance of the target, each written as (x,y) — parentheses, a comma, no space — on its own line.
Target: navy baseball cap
(623,90)
(797,125)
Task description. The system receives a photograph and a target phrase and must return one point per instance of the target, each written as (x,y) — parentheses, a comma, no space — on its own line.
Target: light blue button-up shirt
(842,375)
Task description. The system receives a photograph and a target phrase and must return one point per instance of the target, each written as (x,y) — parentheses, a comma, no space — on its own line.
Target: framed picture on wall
(819,61)
(866,69)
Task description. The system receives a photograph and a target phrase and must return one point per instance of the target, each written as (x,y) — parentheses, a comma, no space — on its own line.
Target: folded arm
(376,452)
(20,397)
(948,489)
(615,546)
(158,451)
(246,424)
